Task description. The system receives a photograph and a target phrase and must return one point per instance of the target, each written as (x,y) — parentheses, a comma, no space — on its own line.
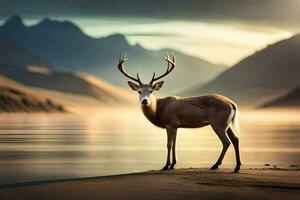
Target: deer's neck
(150,111)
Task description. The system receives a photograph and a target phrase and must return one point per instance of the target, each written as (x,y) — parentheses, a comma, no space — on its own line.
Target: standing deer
(173,112)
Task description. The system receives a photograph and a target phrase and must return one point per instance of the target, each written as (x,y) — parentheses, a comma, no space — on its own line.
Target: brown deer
(173,112)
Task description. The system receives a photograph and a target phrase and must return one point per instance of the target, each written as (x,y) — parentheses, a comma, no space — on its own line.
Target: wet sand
(174,184)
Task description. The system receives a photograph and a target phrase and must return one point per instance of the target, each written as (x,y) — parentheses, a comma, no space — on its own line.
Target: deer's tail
(235,118)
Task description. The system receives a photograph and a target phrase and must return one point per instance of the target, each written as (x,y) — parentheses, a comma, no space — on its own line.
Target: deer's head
(146,90)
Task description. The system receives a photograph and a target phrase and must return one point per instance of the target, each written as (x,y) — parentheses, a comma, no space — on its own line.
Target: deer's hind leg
(235,142)
(220,130)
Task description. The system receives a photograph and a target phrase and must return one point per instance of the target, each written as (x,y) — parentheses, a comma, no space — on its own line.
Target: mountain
(66,47)
(15,97)
(291,99)
(261,76)
(13,54)
(66,82)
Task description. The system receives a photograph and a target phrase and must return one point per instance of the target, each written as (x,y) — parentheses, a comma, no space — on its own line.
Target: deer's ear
(158,85)
(133,86)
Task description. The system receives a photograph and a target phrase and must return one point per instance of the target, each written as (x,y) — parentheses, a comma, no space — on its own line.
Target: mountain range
(266,74)
(74,89)
(66,82)
(13,54)
(63,46)
(291,99)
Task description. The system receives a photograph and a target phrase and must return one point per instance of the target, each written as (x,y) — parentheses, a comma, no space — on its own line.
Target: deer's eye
(150,91)
(140,92)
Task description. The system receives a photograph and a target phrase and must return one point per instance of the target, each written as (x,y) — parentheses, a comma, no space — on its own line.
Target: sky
(220,31)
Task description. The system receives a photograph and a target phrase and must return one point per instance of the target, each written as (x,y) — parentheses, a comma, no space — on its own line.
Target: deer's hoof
(237,169)
(165,168)
(215,166)
(172,166)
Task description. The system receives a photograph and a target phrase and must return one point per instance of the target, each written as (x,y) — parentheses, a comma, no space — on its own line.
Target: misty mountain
(13,54)
(15,97)
(66,47)
(66,82)
(271,71)
(291,99)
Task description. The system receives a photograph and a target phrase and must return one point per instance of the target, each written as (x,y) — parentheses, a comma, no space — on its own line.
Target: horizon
(239,42)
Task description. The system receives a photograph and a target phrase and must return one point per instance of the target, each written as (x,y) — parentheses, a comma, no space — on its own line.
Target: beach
(174,184)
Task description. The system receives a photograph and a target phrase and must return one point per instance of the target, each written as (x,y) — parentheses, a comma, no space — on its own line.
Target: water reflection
(38,147)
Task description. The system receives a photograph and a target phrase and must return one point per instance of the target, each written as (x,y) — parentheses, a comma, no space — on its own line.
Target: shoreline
(191,183)
(149,172)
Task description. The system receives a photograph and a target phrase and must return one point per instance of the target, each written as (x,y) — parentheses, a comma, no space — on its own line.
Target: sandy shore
(176,184)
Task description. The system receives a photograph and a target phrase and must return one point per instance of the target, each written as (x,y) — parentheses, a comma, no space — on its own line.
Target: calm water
(42,147)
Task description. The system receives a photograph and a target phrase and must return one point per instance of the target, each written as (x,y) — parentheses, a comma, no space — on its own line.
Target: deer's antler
(121,67)
(171,65)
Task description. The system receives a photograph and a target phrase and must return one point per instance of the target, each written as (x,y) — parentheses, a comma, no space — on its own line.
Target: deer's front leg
(170,134)
(173,150)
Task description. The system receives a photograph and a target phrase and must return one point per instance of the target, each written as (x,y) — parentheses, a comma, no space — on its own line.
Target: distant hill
(291,99)
(17,98)
(75,83)
(259,77)
(66,47)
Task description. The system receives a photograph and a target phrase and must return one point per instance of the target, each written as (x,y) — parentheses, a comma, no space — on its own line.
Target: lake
(52,146)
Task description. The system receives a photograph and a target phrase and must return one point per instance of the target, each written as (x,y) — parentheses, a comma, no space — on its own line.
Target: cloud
(271,11)
(147,34)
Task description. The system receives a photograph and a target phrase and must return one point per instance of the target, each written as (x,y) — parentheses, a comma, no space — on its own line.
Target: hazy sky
(220,31)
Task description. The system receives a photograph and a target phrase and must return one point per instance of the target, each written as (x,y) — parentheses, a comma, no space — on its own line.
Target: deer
(172,113)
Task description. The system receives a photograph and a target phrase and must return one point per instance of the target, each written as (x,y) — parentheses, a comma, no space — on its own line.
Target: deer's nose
(144,101)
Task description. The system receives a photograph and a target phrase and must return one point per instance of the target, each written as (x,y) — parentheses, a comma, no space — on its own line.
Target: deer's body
(172,113)
(188,112)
